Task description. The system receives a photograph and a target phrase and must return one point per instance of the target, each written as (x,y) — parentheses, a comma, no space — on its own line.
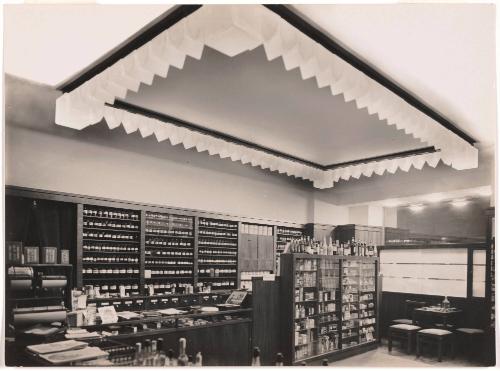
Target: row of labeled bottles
(167,253)
(111,224)
(168,243)
(211,223)
(167,262)
(151,353)
(174,232)
(109,248)
(110,213)
(217,233)
(110,236)
(306,245)
(109,259)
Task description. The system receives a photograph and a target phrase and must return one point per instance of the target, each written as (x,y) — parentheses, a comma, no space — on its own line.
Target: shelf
(170,278)
(218,237)
(110,252)
(38,298)
(112,229)
(190,258)
(150,266)
(228,229)
(108,218)
(112,241)
(168,236)
(40,265)
(220,277)
(106,279)
(169,247)
(110,263)
(235,248)
(223,255)
(224,264)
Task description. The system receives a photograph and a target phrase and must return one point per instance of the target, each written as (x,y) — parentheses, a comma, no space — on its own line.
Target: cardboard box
(64,257)
(14,252)
(31,255)
(49,255)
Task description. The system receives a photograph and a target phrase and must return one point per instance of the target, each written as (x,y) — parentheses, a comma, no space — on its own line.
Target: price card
(108,314)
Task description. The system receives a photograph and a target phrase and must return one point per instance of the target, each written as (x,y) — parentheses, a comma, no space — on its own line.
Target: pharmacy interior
(231,186)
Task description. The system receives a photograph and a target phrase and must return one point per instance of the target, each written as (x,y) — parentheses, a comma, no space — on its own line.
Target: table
(437,315)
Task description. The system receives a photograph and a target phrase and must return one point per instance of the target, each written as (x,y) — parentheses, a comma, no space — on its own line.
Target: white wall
(112,164)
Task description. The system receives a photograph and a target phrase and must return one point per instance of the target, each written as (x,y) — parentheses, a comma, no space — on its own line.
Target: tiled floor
(380,357)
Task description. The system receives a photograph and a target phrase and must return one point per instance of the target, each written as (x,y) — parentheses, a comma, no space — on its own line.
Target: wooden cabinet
(256,252)
(373,236)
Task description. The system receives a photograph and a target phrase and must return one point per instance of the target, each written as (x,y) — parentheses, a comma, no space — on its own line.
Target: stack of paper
(74,355)
(58,346)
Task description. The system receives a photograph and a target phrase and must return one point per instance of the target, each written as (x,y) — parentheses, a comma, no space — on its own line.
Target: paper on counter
(128,315)
(171,311)
(108,314)
(58,346)
(74,355)
(82,335)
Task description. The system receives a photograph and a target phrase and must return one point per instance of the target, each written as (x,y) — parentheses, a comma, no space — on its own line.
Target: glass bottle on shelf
(256,357)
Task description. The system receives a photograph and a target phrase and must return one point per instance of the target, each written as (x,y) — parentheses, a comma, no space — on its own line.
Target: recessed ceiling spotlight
(416,207)
(435,197)
(460,202)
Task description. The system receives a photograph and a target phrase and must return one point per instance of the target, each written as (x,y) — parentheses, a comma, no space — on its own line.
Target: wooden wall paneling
(124,204)
(79,246)
(266,319)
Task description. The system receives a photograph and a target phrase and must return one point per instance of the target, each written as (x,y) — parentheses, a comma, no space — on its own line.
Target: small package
(49,255)
(31,254)
(64,257)
(14,252)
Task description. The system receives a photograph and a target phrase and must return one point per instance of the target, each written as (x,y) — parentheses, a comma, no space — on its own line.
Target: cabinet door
(265,253)
(252,252)
(247,251)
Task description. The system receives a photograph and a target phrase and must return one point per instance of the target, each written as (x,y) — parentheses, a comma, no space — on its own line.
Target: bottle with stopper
(183,358)
(279,359)
(256,357)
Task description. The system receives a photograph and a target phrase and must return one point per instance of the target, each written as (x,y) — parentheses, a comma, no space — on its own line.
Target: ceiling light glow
(461,202)
(416,207)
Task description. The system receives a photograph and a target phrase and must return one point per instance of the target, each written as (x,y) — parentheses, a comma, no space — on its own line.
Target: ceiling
(443,53)
(253,99)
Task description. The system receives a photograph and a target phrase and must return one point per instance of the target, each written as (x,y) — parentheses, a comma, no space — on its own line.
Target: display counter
(223,337)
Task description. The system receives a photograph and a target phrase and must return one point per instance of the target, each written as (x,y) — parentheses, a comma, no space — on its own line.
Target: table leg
(440,350)
(389,345)
(410,336)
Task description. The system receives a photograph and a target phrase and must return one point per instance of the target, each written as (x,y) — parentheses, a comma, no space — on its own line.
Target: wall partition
(456,270)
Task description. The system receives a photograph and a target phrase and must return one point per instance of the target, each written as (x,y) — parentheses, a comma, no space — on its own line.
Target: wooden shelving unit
(333,306)
(169,253)
(217,255)
(283,236)
(110,249)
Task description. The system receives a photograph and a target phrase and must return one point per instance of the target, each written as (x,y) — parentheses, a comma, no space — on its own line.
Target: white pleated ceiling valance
(233,30)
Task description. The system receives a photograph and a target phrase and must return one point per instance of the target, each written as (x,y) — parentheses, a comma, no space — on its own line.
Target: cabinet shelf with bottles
(110,249)
(328,313)
(169,253)
(285,235)
(217,255)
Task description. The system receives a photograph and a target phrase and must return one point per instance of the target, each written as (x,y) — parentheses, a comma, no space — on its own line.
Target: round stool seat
(404,321)
(435,331)
(470,331)
(405,327)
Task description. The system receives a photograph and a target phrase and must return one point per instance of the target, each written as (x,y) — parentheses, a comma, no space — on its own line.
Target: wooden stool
(470,340)
(437,337)
(403,332)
